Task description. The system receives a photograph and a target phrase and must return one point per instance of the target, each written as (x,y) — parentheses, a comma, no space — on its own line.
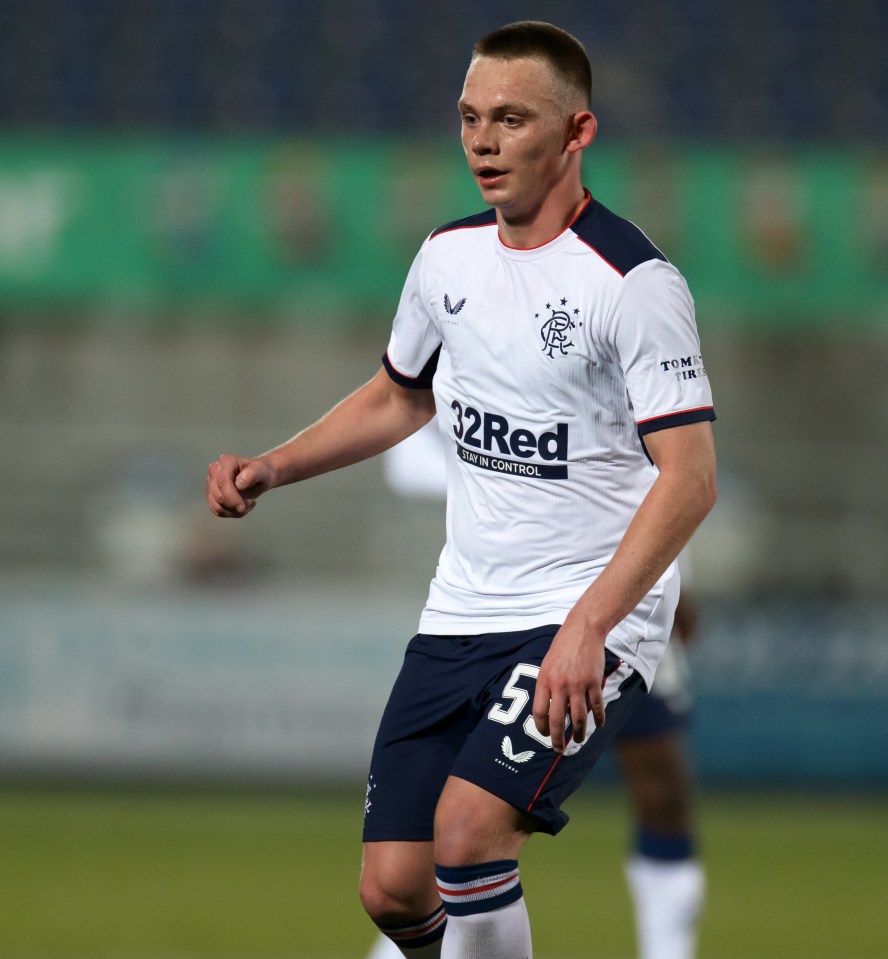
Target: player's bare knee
(398,882)
(378,905)
(457,844)
(385,903)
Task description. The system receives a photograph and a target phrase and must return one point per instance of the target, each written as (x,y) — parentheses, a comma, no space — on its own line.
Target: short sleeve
(414,344)
(655,335)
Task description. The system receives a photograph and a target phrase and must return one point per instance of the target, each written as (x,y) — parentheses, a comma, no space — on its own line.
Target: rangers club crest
(556,330)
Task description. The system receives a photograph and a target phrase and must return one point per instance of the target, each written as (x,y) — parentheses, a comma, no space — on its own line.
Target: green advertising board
(319,229)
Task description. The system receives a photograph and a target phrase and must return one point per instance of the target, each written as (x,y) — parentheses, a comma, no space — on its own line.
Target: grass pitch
(154,875)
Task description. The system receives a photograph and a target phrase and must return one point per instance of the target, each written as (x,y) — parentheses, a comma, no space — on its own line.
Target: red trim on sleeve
(421,382)
(666,416)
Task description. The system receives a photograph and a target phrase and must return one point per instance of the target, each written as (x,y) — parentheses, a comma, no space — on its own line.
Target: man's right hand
(234,483)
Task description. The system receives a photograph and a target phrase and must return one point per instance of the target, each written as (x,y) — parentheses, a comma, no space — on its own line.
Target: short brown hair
(534,38)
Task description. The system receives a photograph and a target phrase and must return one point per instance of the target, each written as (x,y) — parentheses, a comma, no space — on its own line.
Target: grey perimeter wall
(107,433)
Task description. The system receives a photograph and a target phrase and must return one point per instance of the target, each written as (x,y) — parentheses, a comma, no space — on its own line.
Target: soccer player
(666,878)
(559,349)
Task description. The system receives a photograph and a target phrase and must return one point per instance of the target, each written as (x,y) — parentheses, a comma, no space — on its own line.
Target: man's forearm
(372,419)
(667,518)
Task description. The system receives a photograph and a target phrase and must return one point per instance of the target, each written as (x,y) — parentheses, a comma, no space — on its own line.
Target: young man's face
(515,125)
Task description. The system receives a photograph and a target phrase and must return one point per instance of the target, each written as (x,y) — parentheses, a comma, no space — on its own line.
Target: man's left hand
(570,684)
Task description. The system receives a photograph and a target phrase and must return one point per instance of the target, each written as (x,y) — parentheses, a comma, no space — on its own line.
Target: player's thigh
(472,825)
(425,722)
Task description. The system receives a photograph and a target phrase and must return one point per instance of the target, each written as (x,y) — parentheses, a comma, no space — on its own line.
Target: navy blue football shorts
(654,716)
(667,710)
(461,706)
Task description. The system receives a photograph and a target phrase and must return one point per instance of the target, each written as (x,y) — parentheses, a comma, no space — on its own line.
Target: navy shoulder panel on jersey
(487,218)
(614,239)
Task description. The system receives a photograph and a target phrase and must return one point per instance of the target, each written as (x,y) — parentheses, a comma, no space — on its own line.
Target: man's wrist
(590,625)
(276,470)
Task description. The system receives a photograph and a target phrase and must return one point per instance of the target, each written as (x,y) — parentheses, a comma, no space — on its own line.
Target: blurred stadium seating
(793,69)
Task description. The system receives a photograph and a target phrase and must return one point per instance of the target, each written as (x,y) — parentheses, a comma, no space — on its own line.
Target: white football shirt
(548,367)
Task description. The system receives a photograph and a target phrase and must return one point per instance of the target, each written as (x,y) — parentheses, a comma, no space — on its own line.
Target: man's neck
(529,230)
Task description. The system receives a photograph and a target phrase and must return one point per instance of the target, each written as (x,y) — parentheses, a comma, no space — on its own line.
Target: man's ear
(582,130)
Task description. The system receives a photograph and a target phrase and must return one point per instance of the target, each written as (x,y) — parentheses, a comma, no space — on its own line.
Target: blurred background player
(664,874)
